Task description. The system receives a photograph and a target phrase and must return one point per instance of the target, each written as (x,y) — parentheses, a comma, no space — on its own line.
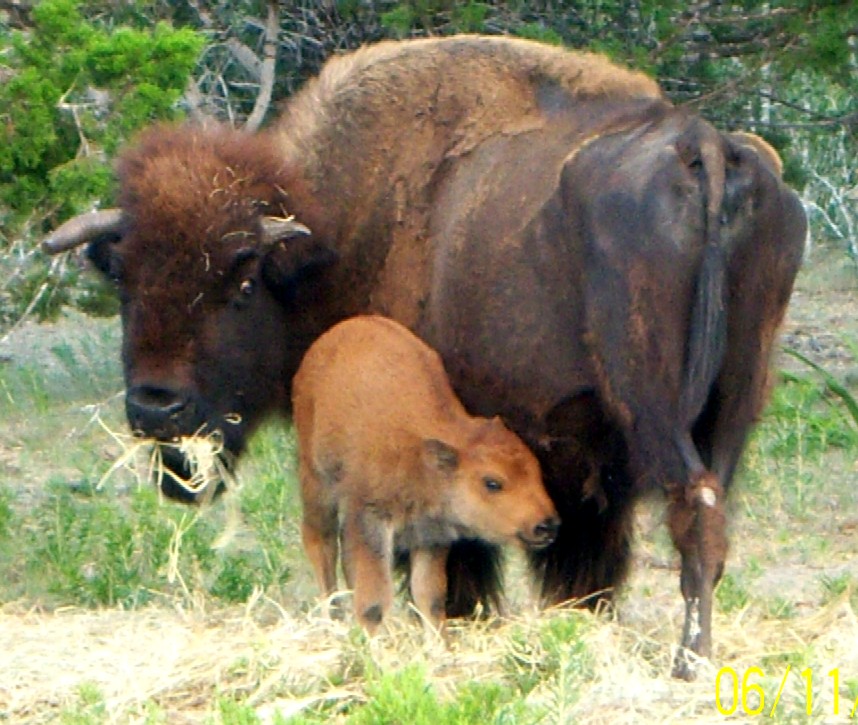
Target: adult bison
(603,270)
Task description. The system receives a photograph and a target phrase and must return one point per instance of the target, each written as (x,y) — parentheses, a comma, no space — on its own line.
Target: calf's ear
(440,456)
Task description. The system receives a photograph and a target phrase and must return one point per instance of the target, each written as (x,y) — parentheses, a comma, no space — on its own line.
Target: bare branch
(266,76)
(768,16)
(194,101)
(246,58)
(18,13)
(203,14)
(98,101)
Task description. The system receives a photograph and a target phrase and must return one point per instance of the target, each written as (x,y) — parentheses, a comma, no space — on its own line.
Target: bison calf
(390,463)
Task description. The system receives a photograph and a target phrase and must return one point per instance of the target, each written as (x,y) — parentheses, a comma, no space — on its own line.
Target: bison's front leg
(367,561)
(698,528)
(429,583)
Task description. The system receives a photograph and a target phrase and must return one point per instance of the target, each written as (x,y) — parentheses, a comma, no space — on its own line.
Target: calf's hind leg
(319,529)
(368,561)
(429,583)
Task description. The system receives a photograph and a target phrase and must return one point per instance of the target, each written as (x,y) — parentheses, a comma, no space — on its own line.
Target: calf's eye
(246,287)
(492,484)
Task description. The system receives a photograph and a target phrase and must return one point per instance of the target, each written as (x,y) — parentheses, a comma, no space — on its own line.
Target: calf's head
(494,486)
(208,263)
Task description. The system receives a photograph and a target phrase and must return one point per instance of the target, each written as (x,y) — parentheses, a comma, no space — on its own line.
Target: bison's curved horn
(276,228)
(82,228)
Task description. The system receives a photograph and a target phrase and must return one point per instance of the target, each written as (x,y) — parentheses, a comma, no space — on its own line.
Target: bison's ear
(290,262)
(764,150)
(100,252)
(440,456)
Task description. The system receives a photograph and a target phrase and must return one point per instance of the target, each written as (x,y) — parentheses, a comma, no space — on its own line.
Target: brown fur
(409,111)
(764,149)
(387,451)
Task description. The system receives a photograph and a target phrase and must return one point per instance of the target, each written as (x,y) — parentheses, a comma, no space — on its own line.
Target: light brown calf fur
(391,461)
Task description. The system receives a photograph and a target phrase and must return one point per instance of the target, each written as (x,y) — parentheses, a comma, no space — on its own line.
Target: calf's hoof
(371,617)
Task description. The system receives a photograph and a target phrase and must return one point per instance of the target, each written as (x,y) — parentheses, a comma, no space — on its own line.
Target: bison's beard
(182,478)
(179,470)
(195,444)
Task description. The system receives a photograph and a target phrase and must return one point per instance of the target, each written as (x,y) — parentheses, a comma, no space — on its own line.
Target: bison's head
(211,271)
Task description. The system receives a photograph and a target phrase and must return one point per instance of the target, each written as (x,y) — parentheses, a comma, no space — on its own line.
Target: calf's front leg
(429,583)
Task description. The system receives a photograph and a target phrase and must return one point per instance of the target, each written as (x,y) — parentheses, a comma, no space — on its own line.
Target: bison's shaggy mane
(174,176)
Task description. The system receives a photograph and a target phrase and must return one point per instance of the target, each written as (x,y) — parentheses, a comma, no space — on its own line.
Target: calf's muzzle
(543,533)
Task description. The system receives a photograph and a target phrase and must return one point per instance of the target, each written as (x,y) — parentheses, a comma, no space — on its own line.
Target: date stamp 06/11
(734,690)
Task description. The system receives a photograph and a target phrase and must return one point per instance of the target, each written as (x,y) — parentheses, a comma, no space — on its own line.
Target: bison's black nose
(546,531)
(159,411)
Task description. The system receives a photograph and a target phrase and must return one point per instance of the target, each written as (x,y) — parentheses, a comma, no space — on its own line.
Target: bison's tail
(707,330)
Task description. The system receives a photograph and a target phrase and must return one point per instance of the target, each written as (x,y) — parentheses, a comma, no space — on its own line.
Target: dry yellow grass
(202,452)
(182,657)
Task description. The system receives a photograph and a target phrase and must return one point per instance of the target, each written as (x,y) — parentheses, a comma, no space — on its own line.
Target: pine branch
(267,67)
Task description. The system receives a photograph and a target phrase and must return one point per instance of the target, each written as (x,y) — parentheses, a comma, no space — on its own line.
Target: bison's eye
(492,484)
(240,278)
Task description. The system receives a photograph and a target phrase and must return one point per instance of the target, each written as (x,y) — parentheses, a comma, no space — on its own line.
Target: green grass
(407,696)
(83,546)
(731,595)
(558,653)
(803,426)
(89,708)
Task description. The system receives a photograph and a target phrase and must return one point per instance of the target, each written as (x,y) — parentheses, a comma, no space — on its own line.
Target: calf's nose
(546,530)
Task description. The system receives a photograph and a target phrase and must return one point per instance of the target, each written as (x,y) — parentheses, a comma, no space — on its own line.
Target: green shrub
(116,80)
(76,90)
(560,651)
(406,696)
(6,513)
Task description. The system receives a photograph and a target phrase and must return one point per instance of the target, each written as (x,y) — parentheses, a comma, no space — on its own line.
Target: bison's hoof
(684,665)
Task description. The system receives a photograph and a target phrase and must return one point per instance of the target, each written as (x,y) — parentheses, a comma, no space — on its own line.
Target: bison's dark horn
(276,228)
(82,228)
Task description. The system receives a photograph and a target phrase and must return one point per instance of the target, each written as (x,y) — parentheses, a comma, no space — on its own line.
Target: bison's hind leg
(697,525)
(474,578)
(429,583)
